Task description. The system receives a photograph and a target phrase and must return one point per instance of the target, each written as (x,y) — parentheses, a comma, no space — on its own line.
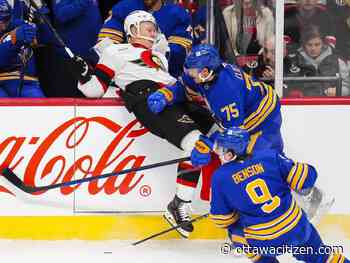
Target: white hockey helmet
(134,19)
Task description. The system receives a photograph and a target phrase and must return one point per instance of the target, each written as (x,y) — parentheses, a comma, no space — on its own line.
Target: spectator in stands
(78,23)
(272,5)
(264,66)
(339,11)
(18,76)
(248,23)
(315,58)
(225,3)
(304,13)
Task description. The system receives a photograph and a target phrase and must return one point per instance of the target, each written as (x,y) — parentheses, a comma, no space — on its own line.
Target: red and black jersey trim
(187,177)
(104,75)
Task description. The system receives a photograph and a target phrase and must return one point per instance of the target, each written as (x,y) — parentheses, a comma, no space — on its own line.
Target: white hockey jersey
(124,64)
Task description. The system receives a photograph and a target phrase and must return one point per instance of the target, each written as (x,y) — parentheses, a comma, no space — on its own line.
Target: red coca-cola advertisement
(61,144)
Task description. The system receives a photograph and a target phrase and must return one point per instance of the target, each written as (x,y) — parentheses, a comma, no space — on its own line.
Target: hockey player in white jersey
(126,63)
(140,68)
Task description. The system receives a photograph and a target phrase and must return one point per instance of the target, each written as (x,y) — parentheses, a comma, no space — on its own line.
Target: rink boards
(52,141)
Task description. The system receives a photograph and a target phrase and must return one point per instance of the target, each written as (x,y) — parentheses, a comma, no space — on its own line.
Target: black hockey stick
(170,229)
(43,18)
(16,181)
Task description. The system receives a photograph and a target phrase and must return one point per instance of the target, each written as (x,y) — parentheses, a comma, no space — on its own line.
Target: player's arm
(180,42)
(299,176)
(94,83)
(169,95)
(66,10)
(257,90)
(8,51)
(222,215)
(24,34)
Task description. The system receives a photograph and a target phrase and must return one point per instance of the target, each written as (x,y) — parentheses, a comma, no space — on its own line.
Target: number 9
(270,202)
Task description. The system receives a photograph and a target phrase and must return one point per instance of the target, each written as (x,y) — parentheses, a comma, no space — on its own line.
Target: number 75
(231,111)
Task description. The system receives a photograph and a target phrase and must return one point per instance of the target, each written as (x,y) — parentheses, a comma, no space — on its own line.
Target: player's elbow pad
(224,221)
(302,176)
(92,88)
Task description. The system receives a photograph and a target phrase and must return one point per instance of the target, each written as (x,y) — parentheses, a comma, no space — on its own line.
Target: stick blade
(15,180)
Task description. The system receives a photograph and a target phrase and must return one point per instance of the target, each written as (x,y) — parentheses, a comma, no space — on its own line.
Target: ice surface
(152,251)
(170,251)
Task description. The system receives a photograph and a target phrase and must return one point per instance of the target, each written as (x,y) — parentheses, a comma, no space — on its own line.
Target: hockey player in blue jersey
(78,23)
(173,20)
(17,65)
(234,98)
(251,197)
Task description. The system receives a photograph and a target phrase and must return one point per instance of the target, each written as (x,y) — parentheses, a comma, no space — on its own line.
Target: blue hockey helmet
(203,56)
(235,139)
(5,11)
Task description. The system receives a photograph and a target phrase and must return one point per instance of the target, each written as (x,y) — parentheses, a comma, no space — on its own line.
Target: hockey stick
(16,181)
(54,31)
(170,229)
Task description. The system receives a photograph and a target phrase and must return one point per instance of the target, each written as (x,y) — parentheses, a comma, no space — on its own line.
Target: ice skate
(178,212)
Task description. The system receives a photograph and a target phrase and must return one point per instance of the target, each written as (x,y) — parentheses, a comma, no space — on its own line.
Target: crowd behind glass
(316,44)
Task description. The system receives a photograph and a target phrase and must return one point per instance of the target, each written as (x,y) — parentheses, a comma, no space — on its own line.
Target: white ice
(170,251)
(153,251)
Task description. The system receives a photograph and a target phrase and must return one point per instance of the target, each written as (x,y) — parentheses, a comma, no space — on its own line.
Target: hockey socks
(187,180)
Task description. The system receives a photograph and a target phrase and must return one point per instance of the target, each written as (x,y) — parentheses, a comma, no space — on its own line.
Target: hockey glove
(24,35)
(201,152)
(158,100)
(79,69)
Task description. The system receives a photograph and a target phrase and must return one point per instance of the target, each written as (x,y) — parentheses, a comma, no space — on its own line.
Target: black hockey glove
(80,69)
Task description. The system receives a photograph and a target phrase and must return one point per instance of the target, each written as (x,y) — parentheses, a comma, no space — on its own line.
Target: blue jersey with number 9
(257,192)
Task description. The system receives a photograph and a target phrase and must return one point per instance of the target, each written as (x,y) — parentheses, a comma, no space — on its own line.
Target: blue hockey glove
(201,152)
(158,100)
(24,35)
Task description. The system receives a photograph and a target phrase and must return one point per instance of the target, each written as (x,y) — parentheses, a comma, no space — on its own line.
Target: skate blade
(170,219)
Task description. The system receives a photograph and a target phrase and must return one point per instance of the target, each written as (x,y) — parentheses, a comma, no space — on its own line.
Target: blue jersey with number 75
(236,99)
